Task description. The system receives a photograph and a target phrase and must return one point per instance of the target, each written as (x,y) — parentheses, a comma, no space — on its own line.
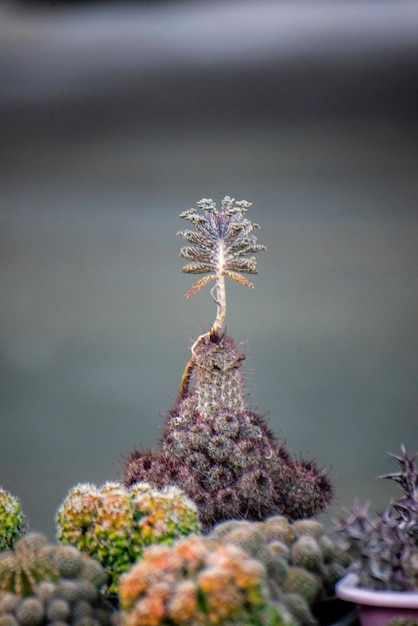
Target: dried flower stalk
(221,246)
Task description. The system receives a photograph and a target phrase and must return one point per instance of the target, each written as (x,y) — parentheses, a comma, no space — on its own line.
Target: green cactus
(114,524)
(331,573)
(196,581)
(309,526)
(299,608)
(327,546)
(301,581)
(12,521)
(278,528)
(306,552)
(302,562)
(224,528)
(276,566)
(247,537)
(45,585)
(278,550)
(27,565)
(30,612)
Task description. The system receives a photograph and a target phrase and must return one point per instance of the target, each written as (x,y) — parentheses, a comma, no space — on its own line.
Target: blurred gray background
(114,118)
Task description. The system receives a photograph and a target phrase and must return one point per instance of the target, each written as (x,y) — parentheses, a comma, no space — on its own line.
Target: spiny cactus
(302,562)
(385,548)
(223,454)
(25,566)
(114,524)
(43,585)
(213,446)
(301,581)
(13,523)
(196,582)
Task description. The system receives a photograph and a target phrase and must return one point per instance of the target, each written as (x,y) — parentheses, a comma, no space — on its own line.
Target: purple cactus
(385,547)
(221,453)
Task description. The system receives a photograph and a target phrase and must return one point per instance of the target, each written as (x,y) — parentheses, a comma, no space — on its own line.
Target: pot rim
(347,589)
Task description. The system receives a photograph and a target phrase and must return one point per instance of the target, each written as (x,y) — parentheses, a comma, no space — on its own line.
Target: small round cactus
(27,565)
(43,584)
(302,562)
(12,520)
(306,552)
(196,581)
(299,609)
(301,581)
(114,524)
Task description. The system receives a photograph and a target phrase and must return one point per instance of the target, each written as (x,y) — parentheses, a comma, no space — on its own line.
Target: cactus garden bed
(217,525)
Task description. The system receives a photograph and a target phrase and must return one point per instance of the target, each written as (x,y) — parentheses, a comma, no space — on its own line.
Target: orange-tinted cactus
(196,581)
(114,524)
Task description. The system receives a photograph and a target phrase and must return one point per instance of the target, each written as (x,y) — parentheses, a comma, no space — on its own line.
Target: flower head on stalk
(222,244)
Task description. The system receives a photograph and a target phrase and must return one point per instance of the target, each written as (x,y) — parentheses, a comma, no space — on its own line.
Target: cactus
(43,584)
(301,581)
(385,548)
(195,582)
(223,454)
(114,524)
(27,565)
(306,552)
(12,520)
(302,563)
(299,608)
(308,527)
(218,450)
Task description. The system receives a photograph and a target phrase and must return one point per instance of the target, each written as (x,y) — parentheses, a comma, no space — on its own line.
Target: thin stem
(218,293)
(219,288)
(220,300)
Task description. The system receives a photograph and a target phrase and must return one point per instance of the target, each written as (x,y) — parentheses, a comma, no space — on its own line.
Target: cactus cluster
(197,582)
(224,455)
(50,585)
(114,525)
(213,446)
(301,561)
(12,520)
(384,548)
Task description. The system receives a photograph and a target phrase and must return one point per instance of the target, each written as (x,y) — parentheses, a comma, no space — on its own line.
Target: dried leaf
(199,284)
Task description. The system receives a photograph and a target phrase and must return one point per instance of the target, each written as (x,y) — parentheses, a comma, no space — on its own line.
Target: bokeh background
(114,118)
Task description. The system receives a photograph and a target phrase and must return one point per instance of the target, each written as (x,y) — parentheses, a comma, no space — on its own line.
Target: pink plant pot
(377,608)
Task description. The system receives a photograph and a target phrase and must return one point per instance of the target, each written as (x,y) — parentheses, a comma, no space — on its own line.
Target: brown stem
(185,379)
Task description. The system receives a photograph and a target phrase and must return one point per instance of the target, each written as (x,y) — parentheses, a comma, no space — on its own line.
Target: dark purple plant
(385,547)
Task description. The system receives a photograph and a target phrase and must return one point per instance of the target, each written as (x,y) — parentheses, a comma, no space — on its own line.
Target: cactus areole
(221,453)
